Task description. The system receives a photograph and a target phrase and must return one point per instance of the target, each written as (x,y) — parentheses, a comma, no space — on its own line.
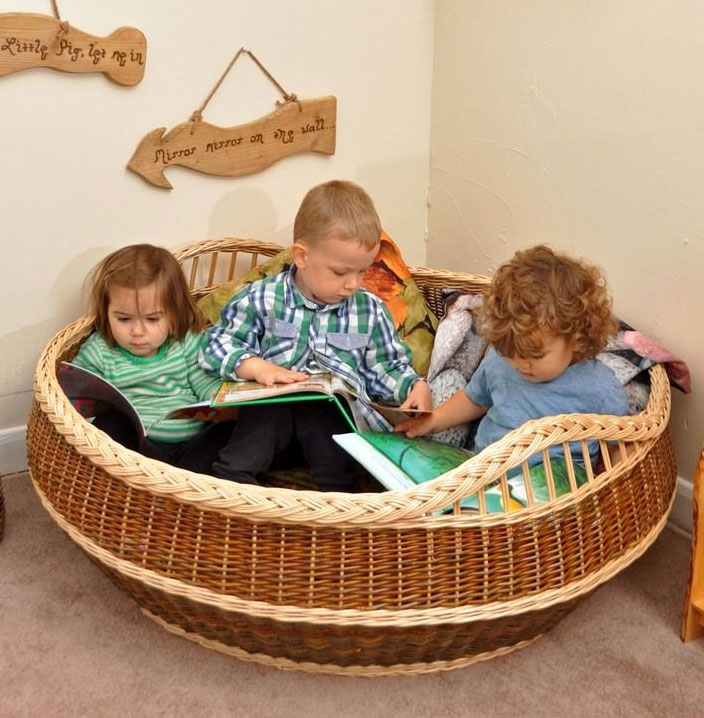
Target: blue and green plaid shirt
(354,339)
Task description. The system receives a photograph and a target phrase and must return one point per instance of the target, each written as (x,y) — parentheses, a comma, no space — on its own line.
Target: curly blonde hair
(541,292)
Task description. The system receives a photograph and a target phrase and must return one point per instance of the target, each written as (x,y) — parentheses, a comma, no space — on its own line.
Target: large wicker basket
(362,584)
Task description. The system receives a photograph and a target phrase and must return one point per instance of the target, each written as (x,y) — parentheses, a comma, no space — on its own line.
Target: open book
(91,395)
(317,386)
(398,462)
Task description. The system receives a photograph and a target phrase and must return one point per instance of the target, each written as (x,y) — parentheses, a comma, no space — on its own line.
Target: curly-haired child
(546,316)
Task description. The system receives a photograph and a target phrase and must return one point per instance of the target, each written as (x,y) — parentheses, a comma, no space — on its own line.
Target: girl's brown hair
(541,292)
(137,266)
(337,208)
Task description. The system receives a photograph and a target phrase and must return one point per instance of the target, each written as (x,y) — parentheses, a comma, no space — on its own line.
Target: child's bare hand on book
(416,426)
(419,397)
(266,373)
(459,409)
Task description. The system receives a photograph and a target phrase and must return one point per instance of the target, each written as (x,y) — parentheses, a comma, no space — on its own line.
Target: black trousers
(265,432)
(196,454)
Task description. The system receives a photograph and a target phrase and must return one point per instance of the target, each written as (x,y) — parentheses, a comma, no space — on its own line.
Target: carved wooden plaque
(296,126)
(28,40)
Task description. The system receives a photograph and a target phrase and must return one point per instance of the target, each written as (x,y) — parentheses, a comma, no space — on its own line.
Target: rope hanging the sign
(197,115)
(294,126)
(63,25)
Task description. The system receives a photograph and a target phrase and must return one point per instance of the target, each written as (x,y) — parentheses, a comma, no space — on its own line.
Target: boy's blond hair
(541,292)
(340,209)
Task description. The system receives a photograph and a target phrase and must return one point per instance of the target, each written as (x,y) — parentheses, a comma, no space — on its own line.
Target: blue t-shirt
(587,387)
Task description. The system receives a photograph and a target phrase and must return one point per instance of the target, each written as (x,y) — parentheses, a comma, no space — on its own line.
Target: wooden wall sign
(295,126)
(30,40)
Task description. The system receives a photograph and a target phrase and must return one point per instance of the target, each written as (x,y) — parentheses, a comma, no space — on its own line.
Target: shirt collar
(295,299)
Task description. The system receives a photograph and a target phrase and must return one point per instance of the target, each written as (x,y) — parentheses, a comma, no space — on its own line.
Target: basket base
(358,671)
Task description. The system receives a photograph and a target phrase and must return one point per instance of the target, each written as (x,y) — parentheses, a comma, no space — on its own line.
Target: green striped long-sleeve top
(154,385)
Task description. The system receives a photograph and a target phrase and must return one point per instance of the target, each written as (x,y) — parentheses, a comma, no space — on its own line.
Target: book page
(378,465)
(340,386)
(419,458)
(399,462)
(395,414)
(234,392)
(92,395)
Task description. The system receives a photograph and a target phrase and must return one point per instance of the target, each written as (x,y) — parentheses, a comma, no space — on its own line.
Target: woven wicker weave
(362,584)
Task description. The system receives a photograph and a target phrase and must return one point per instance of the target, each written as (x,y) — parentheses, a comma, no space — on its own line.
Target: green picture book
(398,462)
(518,497)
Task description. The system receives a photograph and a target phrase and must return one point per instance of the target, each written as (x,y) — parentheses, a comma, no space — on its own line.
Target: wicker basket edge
(282,504)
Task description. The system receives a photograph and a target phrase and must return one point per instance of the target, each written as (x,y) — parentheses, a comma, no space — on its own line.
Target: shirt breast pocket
(280,341)
(347,341)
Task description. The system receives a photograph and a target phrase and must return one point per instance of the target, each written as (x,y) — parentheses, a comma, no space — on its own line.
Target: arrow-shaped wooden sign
(295,126)
(29,40)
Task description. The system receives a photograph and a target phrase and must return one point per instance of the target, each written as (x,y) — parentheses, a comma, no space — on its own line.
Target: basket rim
(240,244)
(414,506)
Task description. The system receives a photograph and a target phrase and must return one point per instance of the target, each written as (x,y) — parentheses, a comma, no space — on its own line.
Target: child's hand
(266,373)
(419,397)
(272,374)
(417,426)
(458,409)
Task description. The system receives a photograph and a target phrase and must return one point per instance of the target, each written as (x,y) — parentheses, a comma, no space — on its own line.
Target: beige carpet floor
(72,644)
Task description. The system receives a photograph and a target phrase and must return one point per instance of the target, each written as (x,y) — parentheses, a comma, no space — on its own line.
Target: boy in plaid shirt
(311,318)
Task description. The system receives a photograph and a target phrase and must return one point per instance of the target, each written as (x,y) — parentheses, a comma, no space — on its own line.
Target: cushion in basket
(388,277)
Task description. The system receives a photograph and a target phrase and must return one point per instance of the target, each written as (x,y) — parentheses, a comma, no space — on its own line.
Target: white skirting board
(681,514)
(13,458)
(13,451)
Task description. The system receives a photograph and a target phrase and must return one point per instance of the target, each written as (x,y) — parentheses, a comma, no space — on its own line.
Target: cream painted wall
(67,198)
(579,124)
